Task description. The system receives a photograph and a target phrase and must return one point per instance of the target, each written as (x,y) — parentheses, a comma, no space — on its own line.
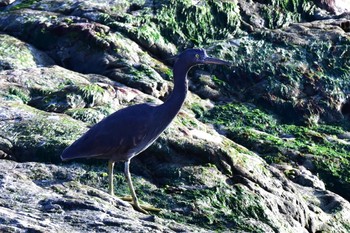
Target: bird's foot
(140,207)
(126,198)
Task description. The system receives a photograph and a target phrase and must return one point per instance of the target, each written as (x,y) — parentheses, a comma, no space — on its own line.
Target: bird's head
(194,57)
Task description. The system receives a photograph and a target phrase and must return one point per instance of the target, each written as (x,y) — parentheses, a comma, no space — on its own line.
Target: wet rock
(15,54)
(43,199)
(6,2)
(287,68)
(43,135)
(300,92)
(334,6)
(87,47)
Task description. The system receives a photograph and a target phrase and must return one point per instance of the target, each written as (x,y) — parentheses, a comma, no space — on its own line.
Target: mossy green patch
(262,132)
(284,12)
(15,54)
(91,92)
(90,115)
(302,84)
(150,33)
(198,109)
(42,136)
(181,22)
(215,208)
(71,96)
(20,93)
(236,115)
(24,4)
(141,71)
(185,22)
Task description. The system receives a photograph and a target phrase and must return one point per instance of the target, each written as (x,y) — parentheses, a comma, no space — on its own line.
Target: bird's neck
(178,96)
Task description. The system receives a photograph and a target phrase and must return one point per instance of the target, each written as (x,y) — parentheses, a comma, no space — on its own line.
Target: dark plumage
(129,131)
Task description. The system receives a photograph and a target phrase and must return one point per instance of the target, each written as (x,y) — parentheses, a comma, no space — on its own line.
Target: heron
(131,130)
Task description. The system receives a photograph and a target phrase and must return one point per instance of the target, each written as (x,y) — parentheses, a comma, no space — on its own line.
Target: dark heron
(129,131)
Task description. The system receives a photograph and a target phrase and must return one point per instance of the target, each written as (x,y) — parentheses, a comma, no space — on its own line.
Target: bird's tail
(65,156)
(70,153)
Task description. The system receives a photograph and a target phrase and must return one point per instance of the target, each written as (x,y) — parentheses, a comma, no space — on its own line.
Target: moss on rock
(15,54)
(42,136)
(185,23)
(302,84)
(262,132)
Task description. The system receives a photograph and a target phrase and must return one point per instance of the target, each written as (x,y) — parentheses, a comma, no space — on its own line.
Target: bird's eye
(197,56)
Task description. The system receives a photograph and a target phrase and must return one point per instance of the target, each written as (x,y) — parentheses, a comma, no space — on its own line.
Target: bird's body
(118,137)
(131,130)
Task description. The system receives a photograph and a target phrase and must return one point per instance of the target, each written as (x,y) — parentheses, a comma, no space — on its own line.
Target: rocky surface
(47,198)
(262,146)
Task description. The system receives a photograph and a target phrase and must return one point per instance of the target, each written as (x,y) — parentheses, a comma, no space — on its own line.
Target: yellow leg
(135,202)
(110,177)
(131,187)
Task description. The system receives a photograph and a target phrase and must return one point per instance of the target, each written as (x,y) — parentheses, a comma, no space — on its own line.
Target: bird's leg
(131,187)
(135,202)
(110,178)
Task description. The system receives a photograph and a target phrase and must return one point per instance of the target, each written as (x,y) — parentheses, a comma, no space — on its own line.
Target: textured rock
(311,89)
(67,64)
(43,134)
(334,6)
(88,47)
(45,198)
(6,2)
(15,54)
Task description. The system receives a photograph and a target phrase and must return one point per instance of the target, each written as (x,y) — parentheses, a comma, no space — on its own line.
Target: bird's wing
(116,136)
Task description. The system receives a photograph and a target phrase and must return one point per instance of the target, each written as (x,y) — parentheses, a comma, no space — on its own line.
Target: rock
(203,84)
(302,176)
(95,49)
(15,54)
(345,135)
(43,135)
(6,2)
(53,196)
(82,61)
(297,93)
(257,15)
(54,89)
(334,6)
(252,180)
(46,198)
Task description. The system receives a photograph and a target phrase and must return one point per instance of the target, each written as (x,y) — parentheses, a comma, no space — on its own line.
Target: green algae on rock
(280,110)
(47,197)
(185,23)
(318,147)
(42,135)
(302,84)
(15,54)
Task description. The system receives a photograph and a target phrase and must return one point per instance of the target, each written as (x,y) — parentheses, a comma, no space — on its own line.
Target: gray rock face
(334,6)
(45,198)
(6,2)
(65,65)
(15,54)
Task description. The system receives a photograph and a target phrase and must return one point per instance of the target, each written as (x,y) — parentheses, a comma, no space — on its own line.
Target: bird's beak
(211,60)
